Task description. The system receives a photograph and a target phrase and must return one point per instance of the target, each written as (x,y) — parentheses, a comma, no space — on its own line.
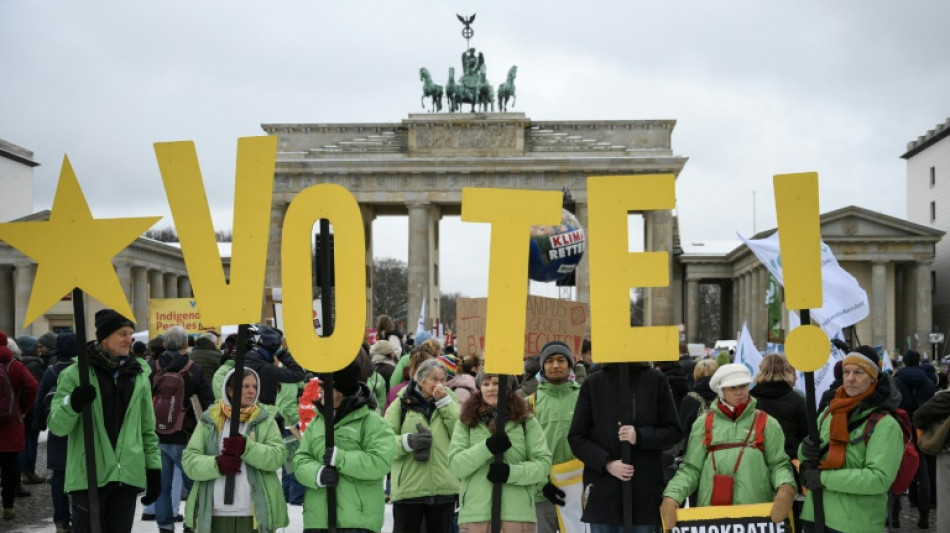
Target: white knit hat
(730,375)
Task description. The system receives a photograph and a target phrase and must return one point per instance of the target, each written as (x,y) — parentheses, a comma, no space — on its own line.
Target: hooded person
(744,443)
(253,456)
(119,396)
(262,357)
(851,471)
(206,354)
(36,364)
(463,384)
(23,388)
(363,451)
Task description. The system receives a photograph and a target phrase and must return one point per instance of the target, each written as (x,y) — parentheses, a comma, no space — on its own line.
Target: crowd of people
(417,426)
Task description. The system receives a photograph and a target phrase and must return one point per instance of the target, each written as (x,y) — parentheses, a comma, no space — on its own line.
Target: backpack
(9,402)
(910,459)
(168,398)
(761,418)
(703,404)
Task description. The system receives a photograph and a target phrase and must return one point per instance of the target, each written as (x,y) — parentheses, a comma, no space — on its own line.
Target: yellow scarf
(221,413)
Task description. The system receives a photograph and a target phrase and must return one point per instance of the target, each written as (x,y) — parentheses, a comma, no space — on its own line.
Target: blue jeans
(294,491)
(57,483)
(169,500)
(610,528)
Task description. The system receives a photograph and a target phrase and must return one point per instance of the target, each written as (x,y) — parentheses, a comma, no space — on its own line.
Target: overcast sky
(757,88)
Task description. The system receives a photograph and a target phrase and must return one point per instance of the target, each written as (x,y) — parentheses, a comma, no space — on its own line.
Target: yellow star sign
(73,249)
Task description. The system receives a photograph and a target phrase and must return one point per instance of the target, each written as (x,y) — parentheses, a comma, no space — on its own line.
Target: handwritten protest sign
(547,319)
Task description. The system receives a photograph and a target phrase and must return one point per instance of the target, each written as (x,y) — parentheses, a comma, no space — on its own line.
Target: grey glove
(420,443)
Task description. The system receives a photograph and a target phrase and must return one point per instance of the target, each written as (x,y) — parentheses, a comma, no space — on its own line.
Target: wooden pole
(234,426)
(627,412)
(88,430)
(501,419)
(324,262)
(811,415)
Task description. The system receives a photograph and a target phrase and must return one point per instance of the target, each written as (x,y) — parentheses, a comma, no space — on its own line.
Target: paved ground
(35,513)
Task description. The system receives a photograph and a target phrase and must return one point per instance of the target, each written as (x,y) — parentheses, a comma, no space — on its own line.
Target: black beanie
(912,358)
(347,380)
(108,322)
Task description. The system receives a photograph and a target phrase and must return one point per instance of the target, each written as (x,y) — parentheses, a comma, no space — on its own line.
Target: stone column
(170,281)
(735,309)
(23,278)
(125,279)
(140,296)
(434,307)
(368,215)
(156,284)
(272,275)
(7,299)
(749,289)
(760,336)
(692,309)
(184,287)
(878,304)
(659,233)
(924,303)
(582,272)
(418,261)
(740,302)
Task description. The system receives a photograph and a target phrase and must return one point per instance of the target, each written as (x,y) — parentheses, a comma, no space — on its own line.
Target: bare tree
(390,282)
(710,313)
(447,302)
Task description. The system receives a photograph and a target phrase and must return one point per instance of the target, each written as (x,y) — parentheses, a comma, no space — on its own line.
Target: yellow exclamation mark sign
(799,231)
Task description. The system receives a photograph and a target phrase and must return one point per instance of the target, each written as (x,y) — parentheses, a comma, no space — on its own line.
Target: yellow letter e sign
(614,270)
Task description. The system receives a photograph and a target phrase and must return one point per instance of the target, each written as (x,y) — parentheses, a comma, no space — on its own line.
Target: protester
(18,402)
(596,436)
(463,384)
(688,363)
(386,330)
(737,441)
(916,387)
(384,355)
(774,393)
(175,416)
(935,411)
(263,357)
(419,354)
(852,472)
(252,457)
(47,348)
(553,406)
(676,378)
(529,381)
(36,364)
(206,354)
(120,397)
(67,348)
(527,460)
(423,340)
(829,394)
(698,400)
(363,451)
(423,420)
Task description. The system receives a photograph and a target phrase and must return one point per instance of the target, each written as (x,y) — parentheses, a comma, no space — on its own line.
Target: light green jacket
(263,456)
(137,448)
(554,409)
(528,458)
(217,382)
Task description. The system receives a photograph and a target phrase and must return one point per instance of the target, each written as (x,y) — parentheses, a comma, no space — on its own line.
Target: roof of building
(929,139)
(17,153)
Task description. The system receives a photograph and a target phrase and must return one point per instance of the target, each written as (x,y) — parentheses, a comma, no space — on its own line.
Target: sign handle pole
(234,426)
(88,430)
(812,417)
(501,419)
(626,451)
(324,262)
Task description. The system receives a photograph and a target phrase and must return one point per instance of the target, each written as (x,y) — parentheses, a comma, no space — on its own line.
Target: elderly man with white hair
(736,454)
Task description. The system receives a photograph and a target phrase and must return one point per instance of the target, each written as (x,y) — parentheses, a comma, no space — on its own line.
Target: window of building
(933,176)
(933,211)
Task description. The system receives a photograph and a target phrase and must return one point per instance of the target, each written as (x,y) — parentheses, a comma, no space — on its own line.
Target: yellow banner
(163,313)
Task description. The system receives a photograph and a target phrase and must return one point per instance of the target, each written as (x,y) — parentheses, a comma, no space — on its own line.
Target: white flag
(844,302)
(746,352)
(825,375)
(422,318)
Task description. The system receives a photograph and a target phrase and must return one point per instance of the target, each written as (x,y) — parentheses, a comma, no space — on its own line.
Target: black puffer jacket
(593,440)
(272,375)
(915,388)
(689,407)
(676,377)
(788,407)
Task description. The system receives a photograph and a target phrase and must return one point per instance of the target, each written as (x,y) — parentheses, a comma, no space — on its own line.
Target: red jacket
(12,434)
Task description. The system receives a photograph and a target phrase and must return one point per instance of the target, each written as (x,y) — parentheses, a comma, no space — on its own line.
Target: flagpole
(88,430)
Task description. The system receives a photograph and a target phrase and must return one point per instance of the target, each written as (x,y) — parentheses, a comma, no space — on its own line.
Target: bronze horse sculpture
(430,90)
(506,90)
(453,92)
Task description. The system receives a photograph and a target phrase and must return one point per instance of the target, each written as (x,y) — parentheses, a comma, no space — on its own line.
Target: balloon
(555,251)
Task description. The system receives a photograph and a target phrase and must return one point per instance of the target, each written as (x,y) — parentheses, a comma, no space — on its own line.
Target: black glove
(82,396)
(234,446)
(153,486)
(553,494)
(811,450)
(498,443)
(421,440)
(328,477)
(498,472)
(228,464)
(811,479)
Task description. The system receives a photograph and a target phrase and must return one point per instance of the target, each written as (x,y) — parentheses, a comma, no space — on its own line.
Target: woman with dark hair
(386,330)
(854,471)
(775,395)
(471,456)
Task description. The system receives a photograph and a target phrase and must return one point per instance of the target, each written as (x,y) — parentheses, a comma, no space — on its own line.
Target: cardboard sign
(546,319)
(730,519)
(163,313)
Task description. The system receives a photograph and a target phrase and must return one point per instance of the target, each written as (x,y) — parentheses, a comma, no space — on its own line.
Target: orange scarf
(840,406)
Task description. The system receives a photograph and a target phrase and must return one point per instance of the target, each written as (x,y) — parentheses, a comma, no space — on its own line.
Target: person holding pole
(254,457)
(596,437)
(363,451)
(854,471)
(125,444)
(527,460)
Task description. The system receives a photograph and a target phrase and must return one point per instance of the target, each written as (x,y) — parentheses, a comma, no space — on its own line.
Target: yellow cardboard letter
(336,204)
(614,270)
(511,214)
(221,302)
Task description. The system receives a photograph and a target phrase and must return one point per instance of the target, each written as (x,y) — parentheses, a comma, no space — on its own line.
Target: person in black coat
(262,357)
(699,399)
(676,377)
(774,394)
(595,438)
(688,363)
(829,394)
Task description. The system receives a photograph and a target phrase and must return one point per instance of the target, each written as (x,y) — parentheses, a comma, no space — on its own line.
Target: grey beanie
(556,348)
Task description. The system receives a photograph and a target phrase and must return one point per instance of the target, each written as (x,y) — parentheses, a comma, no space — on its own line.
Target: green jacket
(365,450)
(396,377)
(377,385)
(554,410)
(263,456)
(759,475)
(217,382)
(855,495)
(411,478)
(137,446)
(287,404)
(528,457)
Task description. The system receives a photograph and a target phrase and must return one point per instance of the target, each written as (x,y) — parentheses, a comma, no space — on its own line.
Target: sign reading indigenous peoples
(729,519)
(163,313)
